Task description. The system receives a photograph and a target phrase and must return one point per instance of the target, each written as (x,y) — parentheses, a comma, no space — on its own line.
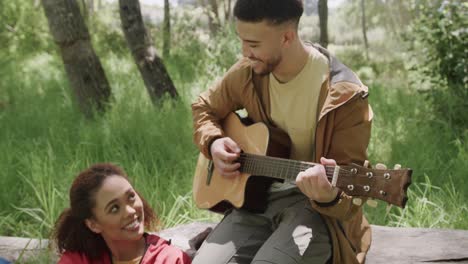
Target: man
(296,89)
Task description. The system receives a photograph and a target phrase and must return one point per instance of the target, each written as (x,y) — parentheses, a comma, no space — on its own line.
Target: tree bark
(85,9)
(211,9)
(364,27)
(214,17)
(152,69)
(84,70)
(91,7)
(227,11)
(167,30)
(323,22)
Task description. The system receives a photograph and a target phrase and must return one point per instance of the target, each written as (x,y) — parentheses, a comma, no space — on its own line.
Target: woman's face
(118,214)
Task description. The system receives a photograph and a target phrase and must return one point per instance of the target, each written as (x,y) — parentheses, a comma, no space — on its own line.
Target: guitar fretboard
(285,169)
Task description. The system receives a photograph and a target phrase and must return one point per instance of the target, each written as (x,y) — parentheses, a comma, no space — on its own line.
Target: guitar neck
(279,168)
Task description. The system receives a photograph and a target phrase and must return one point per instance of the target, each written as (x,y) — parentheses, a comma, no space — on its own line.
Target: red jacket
(158,251)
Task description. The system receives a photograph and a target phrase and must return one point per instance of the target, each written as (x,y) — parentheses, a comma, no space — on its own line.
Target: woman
(105,223)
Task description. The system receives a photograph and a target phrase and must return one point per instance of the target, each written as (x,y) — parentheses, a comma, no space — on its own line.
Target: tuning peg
(372,203)
(380,166)
(357,201)
(397,167)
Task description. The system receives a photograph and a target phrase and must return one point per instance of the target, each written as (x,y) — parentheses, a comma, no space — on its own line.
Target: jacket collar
(341,85)
(152,239)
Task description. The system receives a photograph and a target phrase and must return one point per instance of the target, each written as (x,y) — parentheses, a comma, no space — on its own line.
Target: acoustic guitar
(211,189)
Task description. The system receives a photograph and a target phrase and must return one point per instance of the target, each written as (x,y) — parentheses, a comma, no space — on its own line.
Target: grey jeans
(288,232)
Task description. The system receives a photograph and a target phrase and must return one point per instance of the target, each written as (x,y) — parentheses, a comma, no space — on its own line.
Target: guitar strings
(274,161)
(273,164)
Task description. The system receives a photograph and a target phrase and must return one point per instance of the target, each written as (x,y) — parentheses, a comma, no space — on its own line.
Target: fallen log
(389,244)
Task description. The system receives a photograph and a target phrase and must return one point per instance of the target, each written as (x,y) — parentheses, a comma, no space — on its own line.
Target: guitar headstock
(383,184)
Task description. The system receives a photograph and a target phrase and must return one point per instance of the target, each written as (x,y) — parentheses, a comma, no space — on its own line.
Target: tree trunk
(323,22)
(83,67)
(214,17)
(85,9)
(152,69)
(227,11)
(211,9)
(167,30)
(364,26)
(91,7)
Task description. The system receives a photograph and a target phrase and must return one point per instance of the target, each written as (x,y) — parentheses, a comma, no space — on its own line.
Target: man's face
(262,43)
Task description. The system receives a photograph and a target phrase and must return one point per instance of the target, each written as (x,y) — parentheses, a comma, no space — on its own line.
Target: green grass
(405,132)
(45,142)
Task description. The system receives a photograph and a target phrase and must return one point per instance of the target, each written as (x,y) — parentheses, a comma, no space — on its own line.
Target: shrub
(439,36)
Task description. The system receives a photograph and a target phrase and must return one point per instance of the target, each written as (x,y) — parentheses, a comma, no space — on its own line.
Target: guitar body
(219,193)
(265,151)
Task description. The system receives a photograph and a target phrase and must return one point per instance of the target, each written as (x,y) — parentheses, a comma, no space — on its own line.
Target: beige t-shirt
(294,106)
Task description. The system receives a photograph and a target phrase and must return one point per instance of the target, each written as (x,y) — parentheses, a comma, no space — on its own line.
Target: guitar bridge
(210,172)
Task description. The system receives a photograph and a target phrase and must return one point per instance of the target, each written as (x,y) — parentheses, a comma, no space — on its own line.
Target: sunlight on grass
(433,207)
(184,211)
(46,141)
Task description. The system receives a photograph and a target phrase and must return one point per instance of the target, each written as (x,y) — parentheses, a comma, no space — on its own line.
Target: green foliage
(187,55)
(45,141)
(48,142)
(388,67)
(440,36)
(406,132)
(353,57)
(428,206)
(106,32)
(392,15)
(24,29)
(194,50)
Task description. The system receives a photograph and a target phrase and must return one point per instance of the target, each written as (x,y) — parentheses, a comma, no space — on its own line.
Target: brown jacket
(342,133)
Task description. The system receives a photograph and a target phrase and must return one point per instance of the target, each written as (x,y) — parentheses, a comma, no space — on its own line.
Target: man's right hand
(225,152)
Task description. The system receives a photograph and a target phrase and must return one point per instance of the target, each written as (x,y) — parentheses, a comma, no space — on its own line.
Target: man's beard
(268,66)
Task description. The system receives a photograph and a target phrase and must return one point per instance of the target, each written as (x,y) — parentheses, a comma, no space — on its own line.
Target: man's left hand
(314,184)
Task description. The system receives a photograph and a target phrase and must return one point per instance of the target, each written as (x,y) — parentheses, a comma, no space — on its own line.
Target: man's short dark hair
(274,11)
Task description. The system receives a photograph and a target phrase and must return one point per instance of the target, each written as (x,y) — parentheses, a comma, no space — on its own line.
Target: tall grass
(405,132)
(45,141)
